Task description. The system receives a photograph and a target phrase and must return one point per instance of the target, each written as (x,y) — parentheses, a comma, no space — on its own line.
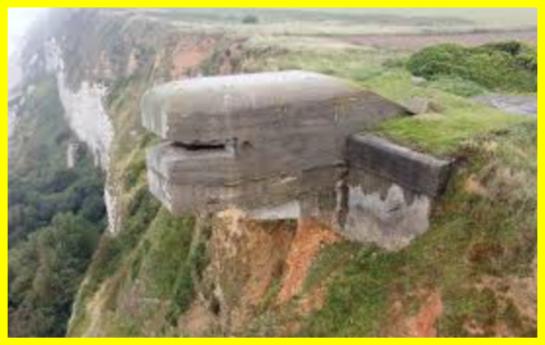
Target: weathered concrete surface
(253,139)
(250,106)
(412,170)
(212,190)
(380,211)
(285,146)
(391,190)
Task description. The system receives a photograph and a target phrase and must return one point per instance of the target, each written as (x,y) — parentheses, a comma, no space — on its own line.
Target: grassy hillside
(471,274)
(479,254)
(475,266)
(477,262)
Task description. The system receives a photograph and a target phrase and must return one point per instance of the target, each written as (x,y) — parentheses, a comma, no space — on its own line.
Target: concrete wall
(252,140)
(285,145)
(391,190)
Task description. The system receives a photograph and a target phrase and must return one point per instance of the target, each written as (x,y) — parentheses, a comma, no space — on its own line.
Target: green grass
(357,299)
(440,133)
(507,66)
(341,21)
(153,249)
(166,266)
(355,64)
(470,237)
(169,239)
(443,134)
(456,86)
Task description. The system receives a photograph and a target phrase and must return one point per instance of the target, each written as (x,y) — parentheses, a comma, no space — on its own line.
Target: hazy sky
(19,19)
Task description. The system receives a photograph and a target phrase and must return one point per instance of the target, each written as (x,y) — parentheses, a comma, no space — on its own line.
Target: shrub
(506,66)
(250,19)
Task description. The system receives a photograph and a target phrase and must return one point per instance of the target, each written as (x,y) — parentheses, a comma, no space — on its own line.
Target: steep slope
(56,213)
(152,274)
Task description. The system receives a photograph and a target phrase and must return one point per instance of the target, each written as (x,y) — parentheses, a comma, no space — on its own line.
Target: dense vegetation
(56,215)
(507,66)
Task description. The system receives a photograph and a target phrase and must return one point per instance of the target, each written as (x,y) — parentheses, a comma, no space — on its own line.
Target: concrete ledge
(210,108)
(248,194)
(411,170)
(260,106)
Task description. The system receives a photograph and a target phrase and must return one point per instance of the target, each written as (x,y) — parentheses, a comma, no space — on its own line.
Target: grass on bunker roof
(438,132)
(383,71)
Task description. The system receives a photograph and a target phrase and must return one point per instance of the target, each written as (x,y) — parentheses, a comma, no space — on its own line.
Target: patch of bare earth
(404,323)
(472,185)
(246,257)
(198,321)
(257,267)
(521,292)
(310,237)
(189,54)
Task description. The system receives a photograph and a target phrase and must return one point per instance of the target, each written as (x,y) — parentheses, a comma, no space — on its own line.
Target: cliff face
(240,271)
(99,82)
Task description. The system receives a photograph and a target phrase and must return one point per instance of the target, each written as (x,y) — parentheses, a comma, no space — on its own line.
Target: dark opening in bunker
(198,146)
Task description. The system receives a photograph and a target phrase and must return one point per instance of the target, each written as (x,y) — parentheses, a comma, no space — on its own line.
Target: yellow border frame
(269,3)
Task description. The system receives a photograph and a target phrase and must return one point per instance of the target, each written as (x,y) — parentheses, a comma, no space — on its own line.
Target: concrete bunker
(280,145)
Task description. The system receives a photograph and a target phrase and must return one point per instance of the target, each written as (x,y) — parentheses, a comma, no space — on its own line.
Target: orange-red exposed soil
(309,238)
(421,324)
(189,54)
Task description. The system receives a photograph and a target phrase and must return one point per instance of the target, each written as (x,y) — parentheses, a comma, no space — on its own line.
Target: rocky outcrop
(87,118)
(84,109)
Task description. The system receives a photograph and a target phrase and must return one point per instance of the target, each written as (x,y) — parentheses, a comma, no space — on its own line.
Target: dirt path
(417,41)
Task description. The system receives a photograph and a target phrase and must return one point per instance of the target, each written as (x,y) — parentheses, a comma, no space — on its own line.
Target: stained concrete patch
(390,191)
(289,210)
(391,222)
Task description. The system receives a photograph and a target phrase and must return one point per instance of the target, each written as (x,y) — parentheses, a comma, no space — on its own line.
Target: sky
(19,20)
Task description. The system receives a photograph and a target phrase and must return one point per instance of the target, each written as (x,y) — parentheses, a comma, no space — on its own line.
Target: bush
(250,19)
(44,274)
(507,66)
